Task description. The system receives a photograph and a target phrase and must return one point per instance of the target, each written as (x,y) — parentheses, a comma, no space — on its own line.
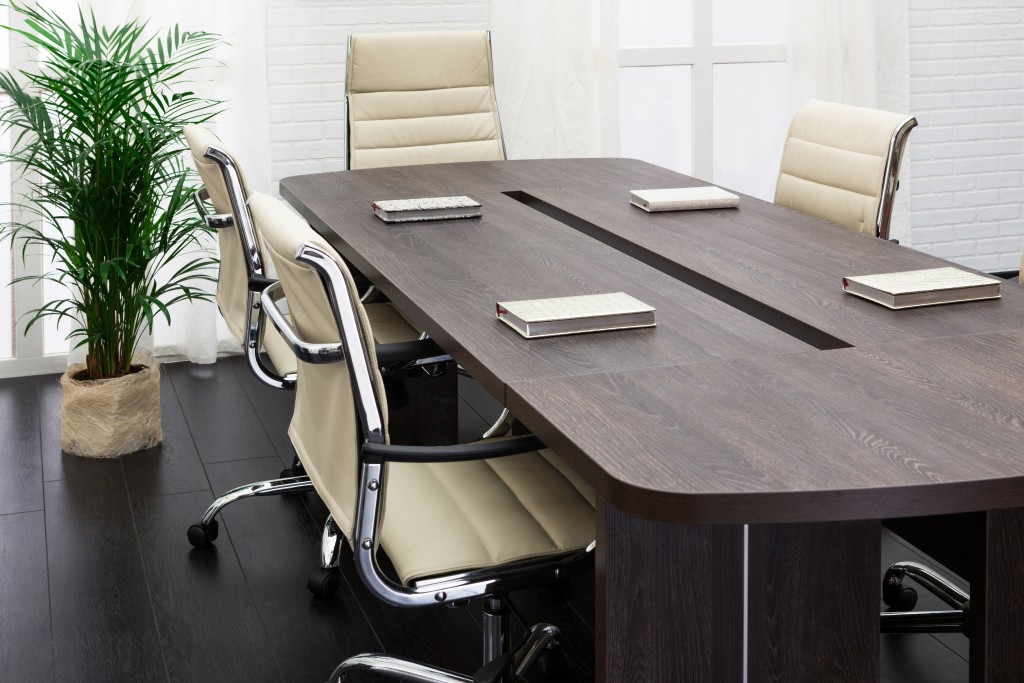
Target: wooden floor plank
(102,620)
(174,465)
(25,651)
(57,464)
(278,546)
(223,423)
(209,627)
(273,406)
(21,486)
(242,611)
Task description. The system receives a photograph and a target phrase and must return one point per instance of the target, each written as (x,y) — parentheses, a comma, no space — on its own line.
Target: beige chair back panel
(425,60)
(834,161)
(233,277)
(324,428)
(421,98)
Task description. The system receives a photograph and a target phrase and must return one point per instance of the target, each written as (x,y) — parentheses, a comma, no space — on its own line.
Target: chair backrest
(842,163)
(421,98)
(236,265)
(332,400)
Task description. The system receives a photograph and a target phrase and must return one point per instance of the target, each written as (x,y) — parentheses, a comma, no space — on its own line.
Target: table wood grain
(448,275)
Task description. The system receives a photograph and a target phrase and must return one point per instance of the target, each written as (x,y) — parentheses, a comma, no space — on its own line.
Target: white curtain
(855,52)
(197,330)
(556,76)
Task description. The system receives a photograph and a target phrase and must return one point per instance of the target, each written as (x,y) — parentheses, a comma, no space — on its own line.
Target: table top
(764,393)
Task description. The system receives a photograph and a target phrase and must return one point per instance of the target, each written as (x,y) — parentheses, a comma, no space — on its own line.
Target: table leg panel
(424,410)
(669,600)
(997,602)
(813,602)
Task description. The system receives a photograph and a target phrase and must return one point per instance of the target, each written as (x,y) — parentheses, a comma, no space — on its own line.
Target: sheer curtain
(197,330)
(856,52)
(556,76)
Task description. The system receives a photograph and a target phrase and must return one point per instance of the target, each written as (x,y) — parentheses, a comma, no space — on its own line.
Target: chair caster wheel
(201,535)
(289,472)
(324,583)
(903,599)
(895,595)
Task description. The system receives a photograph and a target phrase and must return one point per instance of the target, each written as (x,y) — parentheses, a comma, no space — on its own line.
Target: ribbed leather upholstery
(421,98)
(438,518)
(232,280)
(833,163)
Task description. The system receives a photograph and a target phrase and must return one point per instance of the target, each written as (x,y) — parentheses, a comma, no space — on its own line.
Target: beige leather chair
(421,98)
(456,522)
(245,271)
(842,163)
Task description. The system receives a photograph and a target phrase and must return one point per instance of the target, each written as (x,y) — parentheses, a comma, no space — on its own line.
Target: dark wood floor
(98,581)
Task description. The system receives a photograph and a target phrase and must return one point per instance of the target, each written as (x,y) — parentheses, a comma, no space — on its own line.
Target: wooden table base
(669,600)
(813,593)
(997,601)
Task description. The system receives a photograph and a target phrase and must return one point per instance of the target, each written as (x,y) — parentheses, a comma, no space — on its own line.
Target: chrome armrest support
(212,220)
(303,350)
(377,453)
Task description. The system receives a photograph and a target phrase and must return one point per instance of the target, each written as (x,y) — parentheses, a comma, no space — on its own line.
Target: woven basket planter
(110,417)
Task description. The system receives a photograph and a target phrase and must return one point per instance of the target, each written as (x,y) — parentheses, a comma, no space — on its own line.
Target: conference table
(744,450)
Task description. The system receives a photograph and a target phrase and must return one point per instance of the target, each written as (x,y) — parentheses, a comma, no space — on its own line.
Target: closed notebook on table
(927,287)
(575,314)
(426,209)
(683,199)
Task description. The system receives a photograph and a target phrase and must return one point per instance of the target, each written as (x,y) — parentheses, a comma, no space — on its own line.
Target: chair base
(904,598)
(205,532)
(504,667)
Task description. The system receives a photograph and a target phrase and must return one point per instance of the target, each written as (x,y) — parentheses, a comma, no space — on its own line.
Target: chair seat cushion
(388,327)
(442,518)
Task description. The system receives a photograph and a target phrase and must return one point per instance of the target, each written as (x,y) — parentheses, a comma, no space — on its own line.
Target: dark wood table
(745,449)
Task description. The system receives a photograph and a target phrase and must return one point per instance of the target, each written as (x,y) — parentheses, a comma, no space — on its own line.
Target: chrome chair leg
(399,669)
(325,582)
(330,545)
(206,531)
(904,598)
(499,426)
(542,637)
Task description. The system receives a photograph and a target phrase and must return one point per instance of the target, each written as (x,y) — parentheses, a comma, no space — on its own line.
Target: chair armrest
(303,350)
(379,453)
(212,220)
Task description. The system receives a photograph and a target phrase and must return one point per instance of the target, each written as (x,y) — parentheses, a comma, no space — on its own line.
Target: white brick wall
(306,44)
(967,157)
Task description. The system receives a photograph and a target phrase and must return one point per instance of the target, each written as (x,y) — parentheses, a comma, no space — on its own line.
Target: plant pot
(110,417)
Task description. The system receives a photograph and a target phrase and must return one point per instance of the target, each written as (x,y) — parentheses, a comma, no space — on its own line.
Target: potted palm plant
(96,130)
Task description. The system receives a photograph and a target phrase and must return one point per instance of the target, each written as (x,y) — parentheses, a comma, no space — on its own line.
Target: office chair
(245,271)
(842,163)
(423,97)
(456,522)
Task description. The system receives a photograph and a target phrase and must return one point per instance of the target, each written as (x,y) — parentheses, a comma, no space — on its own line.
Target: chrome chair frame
(426,354)
(890,179)
(500,665)
(254,265)
(925,621)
